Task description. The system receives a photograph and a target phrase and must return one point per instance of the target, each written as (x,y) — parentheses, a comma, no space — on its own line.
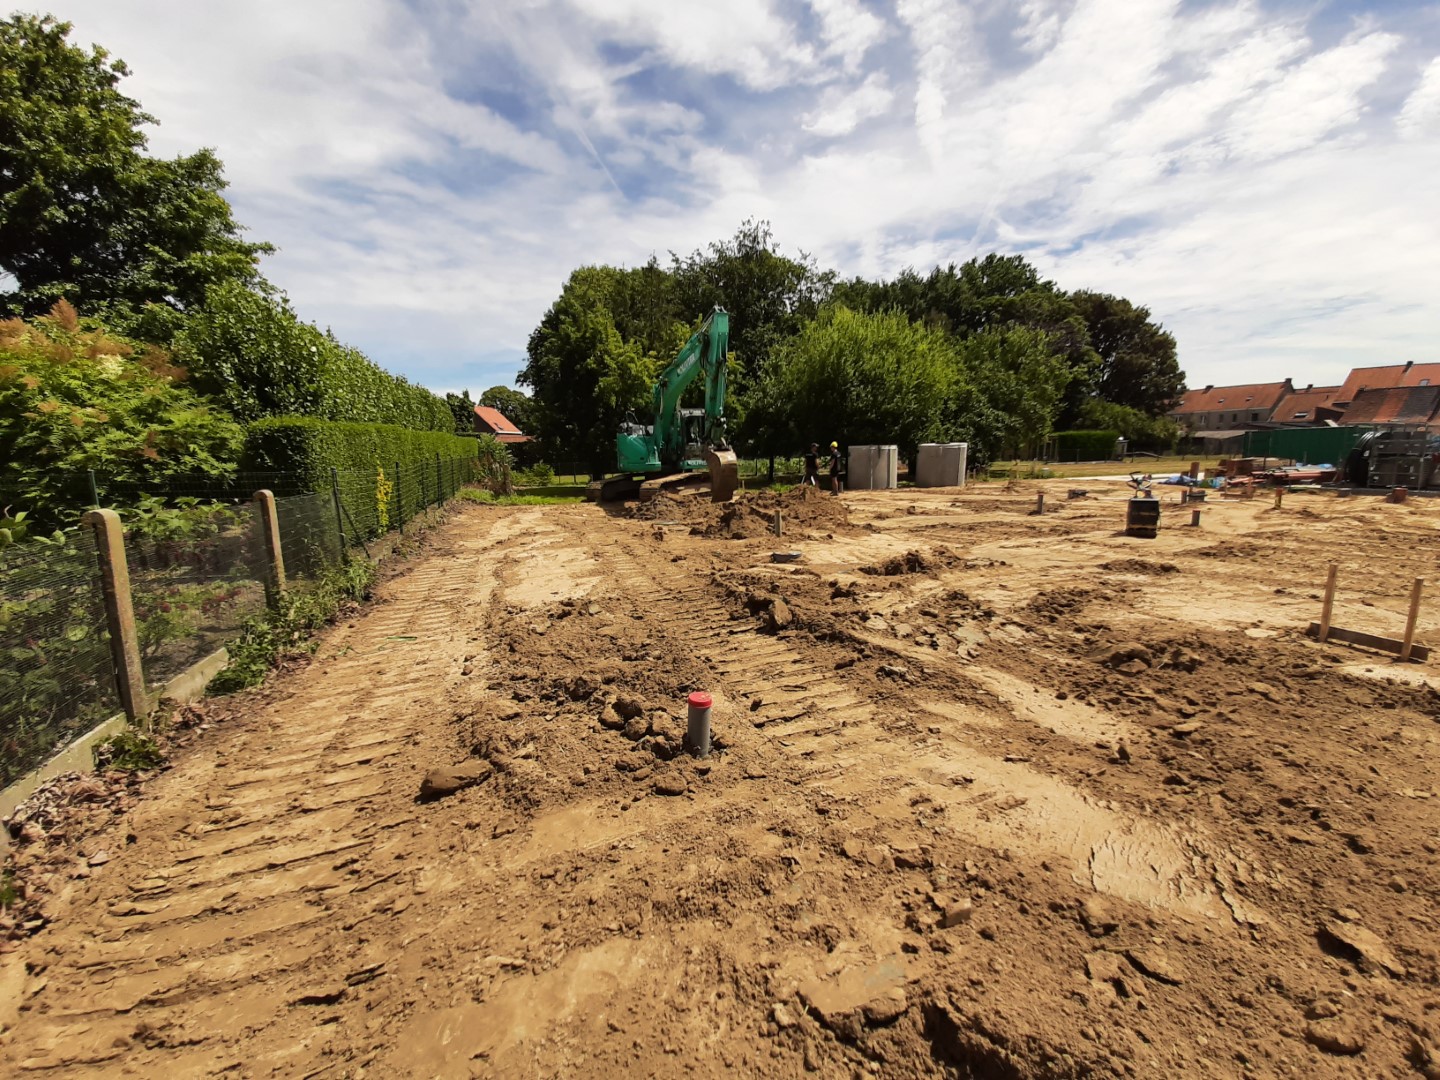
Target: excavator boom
(677,438)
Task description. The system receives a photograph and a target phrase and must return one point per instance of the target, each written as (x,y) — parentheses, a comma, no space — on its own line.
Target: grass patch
(489,498)
(288,628)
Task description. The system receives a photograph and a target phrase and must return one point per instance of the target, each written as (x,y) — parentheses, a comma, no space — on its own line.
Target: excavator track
(722,480)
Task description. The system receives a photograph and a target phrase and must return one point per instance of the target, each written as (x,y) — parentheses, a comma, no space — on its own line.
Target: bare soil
(995,794)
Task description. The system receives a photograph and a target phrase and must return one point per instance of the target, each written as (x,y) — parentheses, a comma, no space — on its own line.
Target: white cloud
(849,29)
(1312,99)
(1420,115)
(841,110)
(1212,163)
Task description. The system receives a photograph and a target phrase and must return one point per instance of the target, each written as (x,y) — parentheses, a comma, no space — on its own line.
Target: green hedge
(1084,445)
(251,351)
(359,452)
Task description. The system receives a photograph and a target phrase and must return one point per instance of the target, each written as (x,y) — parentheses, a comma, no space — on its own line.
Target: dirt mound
(751,516)
(1139,566)
(913,562)
(1232,549)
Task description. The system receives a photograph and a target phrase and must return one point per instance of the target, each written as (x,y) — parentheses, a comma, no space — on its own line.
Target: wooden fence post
(1329,605)
(1409,642)
(267,521)
(119,611)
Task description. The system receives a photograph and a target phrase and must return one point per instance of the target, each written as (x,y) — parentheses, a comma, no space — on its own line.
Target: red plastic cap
(700,700)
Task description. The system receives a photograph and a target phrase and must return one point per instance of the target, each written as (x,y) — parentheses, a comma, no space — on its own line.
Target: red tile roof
(1379,378)
(1394,405)
(1300,405)
(496,422)
(1256,397)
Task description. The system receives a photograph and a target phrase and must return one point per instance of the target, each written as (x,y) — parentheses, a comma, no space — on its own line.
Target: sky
(1264,177)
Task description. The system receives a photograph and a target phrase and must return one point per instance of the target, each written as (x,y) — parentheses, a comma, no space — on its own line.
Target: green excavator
(680,446)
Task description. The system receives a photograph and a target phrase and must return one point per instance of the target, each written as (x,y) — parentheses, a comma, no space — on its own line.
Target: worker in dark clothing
(812,466)
(834,468)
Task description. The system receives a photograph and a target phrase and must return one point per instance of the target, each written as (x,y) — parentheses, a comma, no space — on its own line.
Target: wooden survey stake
(1404,647)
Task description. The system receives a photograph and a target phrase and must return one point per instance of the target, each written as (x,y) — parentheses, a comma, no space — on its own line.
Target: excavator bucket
(724,474)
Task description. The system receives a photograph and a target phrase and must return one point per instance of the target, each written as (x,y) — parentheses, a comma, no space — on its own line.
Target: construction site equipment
(1394,458)
(873,468)
(941,464)
(1142,511)
(680,448)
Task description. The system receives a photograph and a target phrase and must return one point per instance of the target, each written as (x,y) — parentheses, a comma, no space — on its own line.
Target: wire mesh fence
(56,675)
(198,566)
(196,575)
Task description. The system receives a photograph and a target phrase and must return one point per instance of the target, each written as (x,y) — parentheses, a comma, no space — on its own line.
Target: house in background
(1229,408)
(1394,405)
(1385,377)
(490,421)
(1312,405)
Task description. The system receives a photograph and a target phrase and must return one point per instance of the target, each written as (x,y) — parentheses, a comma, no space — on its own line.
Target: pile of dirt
(750,517)
(914,562)
(1139,566)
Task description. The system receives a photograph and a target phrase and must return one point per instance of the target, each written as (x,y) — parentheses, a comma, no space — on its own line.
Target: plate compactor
(1142,512)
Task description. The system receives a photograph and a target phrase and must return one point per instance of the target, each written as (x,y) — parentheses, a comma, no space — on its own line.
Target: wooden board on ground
(1369,641)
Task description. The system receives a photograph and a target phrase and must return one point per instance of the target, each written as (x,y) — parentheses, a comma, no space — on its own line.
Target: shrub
(73,399)
(252,352)
(1085,445)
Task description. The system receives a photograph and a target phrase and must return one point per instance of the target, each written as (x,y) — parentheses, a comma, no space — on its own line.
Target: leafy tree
(84,214)
(463,409)
(515,406)
(74,399)
(585,376)
(864,378)
(1141,430)
(1013,384)
(1137,364)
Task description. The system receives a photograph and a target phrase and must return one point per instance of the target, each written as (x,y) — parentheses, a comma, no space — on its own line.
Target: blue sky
(1263,176)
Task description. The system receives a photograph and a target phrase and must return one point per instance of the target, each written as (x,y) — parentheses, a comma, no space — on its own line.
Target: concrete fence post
(119,611)
(267,521)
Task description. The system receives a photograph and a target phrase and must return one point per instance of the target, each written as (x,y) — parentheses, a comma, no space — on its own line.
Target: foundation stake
(1279,494)
(777,523)
(1328,606)
(1040,503)
(698,730)
(1410,620)
(1195,518)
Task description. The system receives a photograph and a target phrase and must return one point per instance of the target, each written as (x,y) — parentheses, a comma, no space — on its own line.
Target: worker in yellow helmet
(834,468)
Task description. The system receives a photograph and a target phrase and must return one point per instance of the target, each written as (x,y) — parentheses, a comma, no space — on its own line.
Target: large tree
(585,375)
(1137,362)
(854,377)
(85,214)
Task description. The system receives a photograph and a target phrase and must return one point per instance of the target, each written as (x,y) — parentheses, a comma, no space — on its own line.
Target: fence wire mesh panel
(57,679)
(196,575)
(309,536)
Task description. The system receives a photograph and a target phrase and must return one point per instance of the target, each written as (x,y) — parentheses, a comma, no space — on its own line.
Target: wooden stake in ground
(1409,642)
(1279,494)
(1329,605)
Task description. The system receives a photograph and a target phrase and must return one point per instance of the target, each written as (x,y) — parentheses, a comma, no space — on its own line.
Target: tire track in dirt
(881,759)
(241,887)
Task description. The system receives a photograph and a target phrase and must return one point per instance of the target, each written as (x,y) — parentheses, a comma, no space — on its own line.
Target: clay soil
(995,794)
